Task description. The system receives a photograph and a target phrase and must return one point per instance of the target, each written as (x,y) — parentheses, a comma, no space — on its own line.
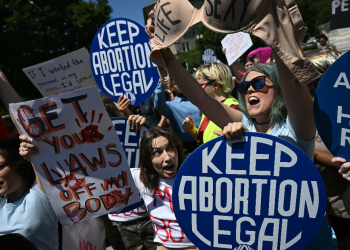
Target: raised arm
(298,102)
(159,101)
(218,113)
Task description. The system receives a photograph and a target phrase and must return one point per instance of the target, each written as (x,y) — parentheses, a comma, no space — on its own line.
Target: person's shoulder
(36,191)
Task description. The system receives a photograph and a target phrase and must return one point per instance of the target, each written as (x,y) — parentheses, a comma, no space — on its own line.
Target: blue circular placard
(331,107)
(120,61)
(130,140)
(258,193)
(208,56)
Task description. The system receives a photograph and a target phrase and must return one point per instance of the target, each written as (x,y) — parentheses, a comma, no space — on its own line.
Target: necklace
(263,123)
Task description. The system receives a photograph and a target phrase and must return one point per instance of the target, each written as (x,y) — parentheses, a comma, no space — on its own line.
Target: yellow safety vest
(208,132)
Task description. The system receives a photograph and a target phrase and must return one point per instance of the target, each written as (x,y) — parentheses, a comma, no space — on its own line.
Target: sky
(131,9)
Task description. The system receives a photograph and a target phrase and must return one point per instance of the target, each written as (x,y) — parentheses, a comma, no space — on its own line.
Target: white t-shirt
(160,208)
(135,214)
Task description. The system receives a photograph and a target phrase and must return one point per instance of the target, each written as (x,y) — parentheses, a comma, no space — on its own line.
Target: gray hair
(278,111)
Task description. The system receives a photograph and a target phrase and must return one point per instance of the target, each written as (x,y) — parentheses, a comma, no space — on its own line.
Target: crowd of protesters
(182,114)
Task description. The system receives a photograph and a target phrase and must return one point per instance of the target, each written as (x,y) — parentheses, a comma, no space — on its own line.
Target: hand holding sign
(260,192)
(81,163)
(120,61)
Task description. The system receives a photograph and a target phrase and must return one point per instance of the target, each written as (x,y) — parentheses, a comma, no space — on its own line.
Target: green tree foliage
(34,31)
(314,13)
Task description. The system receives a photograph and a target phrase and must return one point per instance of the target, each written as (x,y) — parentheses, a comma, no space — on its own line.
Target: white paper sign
(86,235)
(62,74)
(81,163)
(236,44)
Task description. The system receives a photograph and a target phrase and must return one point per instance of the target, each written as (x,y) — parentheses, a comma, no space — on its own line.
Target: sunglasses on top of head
(257,83)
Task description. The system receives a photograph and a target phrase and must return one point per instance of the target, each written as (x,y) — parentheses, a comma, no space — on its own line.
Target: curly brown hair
(148,175)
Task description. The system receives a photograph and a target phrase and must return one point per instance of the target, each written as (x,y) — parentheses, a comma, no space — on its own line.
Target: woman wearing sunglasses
(216,80)
(271,101)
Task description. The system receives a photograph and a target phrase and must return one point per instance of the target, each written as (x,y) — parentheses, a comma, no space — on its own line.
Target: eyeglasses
(257,83)
(207,83)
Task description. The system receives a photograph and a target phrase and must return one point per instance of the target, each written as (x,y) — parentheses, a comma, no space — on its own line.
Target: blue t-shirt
(176,111)
(33,217)
(323,238)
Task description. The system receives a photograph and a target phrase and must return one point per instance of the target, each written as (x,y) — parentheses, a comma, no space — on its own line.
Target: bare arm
(298,102)
(218,113)
(234,70)
(162,120)
(26,150)
(325,159)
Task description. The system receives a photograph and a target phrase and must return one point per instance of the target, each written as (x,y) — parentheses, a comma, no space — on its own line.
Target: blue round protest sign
(331,107)
(130,140)
(120,61)
(258,193)
(208,56)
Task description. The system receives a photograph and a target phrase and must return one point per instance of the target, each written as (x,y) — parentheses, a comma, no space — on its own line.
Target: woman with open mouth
(271,101)
(24,207)
(161,156)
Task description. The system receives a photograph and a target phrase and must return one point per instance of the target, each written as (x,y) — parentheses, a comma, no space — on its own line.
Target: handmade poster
(120,61)
(81,163)
(208,56)
(62,74)
(130,140)
(257,193)
(86,235)
(340,14)
(332,109)
(236,44)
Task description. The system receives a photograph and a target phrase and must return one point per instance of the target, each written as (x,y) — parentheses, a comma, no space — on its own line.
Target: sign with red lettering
(236,44)
(81,163)
(62,74)
(87,235)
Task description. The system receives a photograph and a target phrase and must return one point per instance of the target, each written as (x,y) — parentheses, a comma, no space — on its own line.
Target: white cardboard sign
(86,235)
(62,74)
(81,163)
(236,44)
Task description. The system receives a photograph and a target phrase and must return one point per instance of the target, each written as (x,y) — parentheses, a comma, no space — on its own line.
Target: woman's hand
(344,168)
(233,131)
(149,26)
(123,105)
(188,124)
(136,122)
(27,149)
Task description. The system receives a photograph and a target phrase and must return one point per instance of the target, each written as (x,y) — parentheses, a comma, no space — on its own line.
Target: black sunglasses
(257,83)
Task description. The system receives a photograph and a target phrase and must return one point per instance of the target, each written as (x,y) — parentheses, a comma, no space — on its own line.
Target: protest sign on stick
(257,193)
(209,56)
(130,140)
(120,61)
(332,110)
(62,74)
(236,44)
(81,163)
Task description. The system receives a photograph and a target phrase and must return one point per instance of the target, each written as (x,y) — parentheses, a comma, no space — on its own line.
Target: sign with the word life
(332,109)
(81,163)
(340,14)
(209,56)
(130,140)
(258,193)
(86,235)
(236,44)
(62,74)
(120,61)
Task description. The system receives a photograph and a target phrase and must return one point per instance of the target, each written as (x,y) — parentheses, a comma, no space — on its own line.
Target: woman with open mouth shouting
(161,156)
(271,101)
